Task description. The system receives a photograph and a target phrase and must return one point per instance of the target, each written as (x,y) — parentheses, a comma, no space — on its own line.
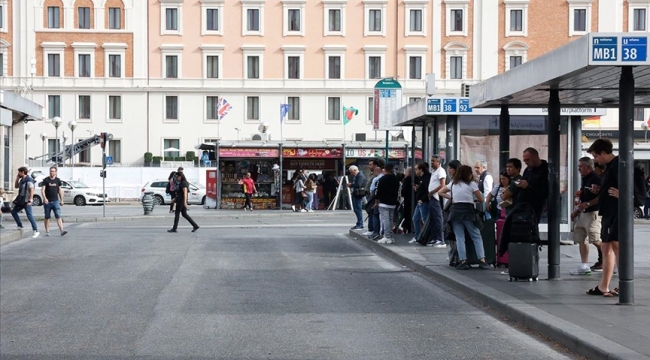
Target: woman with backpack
(464,191)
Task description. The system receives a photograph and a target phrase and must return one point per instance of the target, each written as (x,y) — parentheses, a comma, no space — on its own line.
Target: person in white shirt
(437,182)
(463,190)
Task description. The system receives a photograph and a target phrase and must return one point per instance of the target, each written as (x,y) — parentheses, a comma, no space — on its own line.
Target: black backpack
(640,190)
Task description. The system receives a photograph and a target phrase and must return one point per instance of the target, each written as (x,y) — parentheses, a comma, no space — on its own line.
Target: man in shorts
(52,200)
(602,151)
(587,222)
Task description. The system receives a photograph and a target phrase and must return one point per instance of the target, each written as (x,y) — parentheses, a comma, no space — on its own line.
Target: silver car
(196,193)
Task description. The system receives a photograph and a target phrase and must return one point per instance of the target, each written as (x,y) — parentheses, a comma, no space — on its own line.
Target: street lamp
(56,121)
(72,125)
(43,137)
(27,135)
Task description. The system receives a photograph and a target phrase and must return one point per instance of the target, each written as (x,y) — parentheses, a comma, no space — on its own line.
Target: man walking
(25,185)
(249,189)
(436,182)
(358,193)
(587,222)
(386,200)
(52,200)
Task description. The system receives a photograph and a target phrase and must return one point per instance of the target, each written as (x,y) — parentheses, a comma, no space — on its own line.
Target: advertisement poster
(248,153)
(258,203)
(211,189)
(375,153)
(312,153)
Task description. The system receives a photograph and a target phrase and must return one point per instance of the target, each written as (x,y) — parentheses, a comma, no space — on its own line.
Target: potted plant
(148,157)
(179,158)
(156,161)
(168,158)
(190,156)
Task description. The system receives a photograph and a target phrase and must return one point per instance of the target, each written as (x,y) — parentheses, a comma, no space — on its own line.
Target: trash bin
(148,203)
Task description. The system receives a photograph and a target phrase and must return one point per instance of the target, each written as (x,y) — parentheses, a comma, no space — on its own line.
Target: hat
(454,164)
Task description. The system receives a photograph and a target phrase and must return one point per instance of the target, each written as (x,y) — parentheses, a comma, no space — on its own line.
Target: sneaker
(293,207)
(413,241)
(36,234)
(583,269)
(385,241)
(439,244)
(462,266)
(376,237)
(310,210)
(303,210)
(482,265)
(64,232)
(367,233)
(598,267)
(505,272)
(245,209)
(356,228)
(47,233)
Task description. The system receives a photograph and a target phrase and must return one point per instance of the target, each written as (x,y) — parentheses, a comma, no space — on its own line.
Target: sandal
(596,291)
(614,292)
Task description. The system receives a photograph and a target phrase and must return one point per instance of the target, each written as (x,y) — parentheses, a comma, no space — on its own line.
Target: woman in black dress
(181,203)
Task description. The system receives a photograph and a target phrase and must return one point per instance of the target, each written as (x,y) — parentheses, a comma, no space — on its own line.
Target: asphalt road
(256,289)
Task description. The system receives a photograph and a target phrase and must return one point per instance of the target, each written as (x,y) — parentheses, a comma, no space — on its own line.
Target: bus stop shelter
(605,70)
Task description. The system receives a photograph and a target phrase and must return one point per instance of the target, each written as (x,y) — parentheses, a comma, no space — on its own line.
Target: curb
(233,216)
(9,236)
(569,335)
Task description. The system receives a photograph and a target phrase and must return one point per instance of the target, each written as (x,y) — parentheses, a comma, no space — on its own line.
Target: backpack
(640,190)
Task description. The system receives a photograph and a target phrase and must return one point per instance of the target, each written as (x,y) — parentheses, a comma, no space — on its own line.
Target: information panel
(387,99)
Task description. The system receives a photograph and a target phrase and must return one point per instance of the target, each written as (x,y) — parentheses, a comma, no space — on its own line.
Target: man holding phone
(25,185)
(587,222)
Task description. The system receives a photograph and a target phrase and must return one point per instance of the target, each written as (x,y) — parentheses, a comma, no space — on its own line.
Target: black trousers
(171,204)
(248,204)
(180,209)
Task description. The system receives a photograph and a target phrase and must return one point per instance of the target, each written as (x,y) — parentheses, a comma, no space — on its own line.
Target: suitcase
(525,261)
(425,233)
(502,261)
(489,245)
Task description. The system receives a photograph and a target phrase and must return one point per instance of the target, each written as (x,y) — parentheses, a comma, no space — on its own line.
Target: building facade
(168,74)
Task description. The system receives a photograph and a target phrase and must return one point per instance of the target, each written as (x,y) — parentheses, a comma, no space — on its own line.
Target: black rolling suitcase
(523,261)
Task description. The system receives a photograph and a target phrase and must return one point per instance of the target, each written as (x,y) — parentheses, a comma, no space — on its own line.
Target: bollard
(148,203)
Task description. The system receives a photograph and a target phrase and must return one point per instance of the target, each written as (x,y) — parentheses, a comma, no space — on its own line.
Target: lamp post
(27,135)
(43,137)
(72,125)
(56,121)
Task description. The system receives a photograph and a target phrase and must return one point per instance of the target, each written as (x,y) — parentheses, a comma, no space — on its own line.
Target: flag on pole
(593,120)
(224,107)
(284,110)
(348,114)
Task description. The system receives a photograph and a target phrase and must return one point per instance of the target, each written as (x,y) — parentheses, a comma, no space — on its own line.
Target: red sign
(312,153)
(247,153)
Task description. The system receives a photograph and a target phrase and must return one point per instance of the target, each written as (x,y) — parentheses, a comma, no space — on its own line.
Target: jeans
(420,214)
(310,199)
(357,203)
(28,212)
(376,223)
(386,219)
(435,219)
(459,230)
(646,211)
(315,204)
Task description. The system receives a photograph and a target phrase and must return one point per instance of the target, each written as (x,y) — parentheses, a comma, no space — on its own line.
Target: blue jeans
(435,219)
(376,223)
(421,213)
(646,212)
(357,204)
(28,212)
(310,199)
(459,230)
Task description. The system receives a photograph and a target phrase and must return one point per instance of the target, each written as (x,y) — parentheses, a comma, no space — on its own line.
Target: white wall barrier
(123,183)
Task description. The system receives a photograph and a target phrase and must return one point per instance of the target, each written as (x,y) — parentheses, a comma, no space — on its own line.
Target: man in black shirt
(587,222)
(534,183)
(52,200)
(601,150)
(421,187)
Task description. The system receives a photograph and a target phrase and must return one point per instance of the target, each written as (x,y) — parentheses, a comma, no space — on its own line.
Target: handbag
(359,192)
(303,194)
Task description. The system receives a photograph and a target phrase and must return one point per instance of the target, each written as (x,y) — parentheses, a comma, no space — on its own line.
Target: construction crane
(71,150)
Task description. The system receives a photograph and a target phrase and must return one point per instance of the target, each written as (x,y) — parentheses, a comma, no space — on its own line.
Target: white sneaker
(367,233)
(440,244)
(293,207)
(303,210)
(385,241)
(582,269)
(413,241)
(47,233)
(36,233)
(310,210)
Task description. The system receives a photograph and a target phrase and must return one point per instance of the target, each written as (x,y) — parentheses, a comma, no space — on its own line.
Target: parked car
(196,193)
(638,213)
(74,192)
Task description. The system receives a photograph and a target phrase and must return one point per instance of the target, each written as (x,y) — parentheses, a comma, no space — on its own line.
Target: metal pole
(43,159)
(56,147)
(387,145)
(435,144)
(626,186)
(72,155)
(104,177)
(279,199)
(451,150)
(406,156)
(425,149)
(576,153)
(218,175)
(504,136)
(554,200)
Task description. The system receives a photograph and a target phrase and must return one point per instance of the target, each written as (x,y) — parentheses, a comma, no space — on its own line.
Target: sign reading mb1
(604,48)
